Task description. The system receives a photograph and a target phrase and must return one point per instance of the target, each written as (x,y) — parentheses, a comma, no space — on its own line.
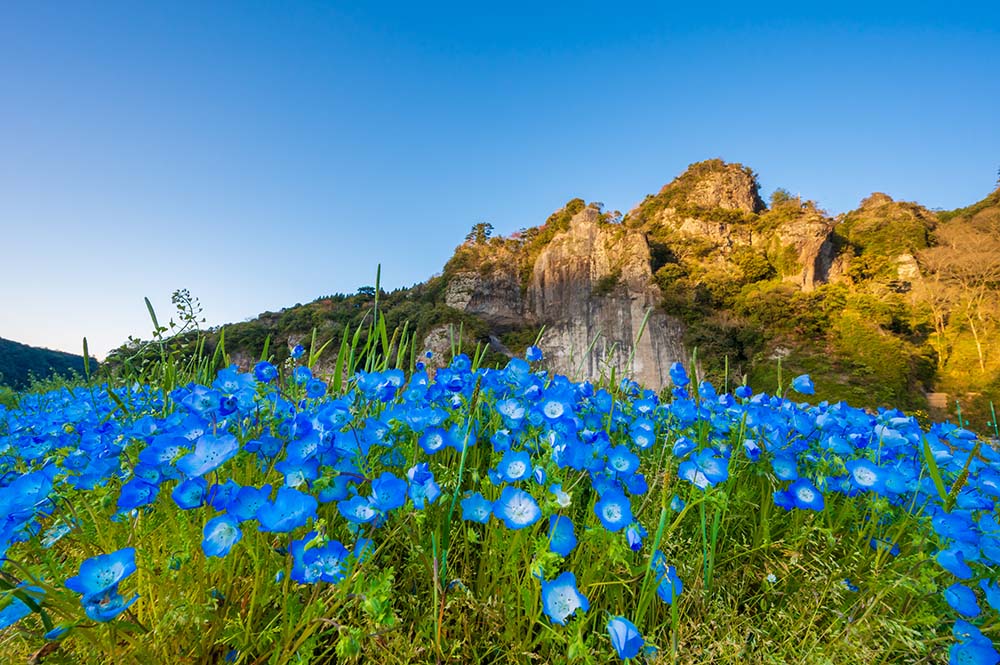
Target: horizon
(222,149)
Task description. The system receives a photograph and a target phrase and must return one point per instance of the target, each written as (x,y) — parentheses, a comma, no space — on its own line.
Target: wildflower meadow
(187,512)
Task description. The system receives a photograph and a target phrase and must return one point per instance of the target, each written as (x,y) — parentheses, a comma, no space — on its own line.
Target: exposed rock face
(727,186)
(811,236)
(593,285)
(495,296)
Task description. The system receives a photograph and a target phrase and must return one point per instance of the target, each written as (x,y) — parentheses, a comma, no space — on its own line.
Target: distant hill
(20,362)
(890,304)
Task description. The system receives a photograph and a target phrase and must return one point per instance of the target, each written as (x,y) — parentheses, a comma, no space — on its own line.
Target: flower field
(487,515)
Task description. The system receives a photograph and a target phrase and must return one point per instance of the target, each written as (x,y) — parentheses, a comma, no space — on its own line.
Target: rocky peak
(715,184)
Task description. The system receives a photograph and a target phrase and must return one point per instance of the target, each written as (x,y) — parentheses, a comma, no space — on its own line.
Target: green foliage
(21,365)
(608,283)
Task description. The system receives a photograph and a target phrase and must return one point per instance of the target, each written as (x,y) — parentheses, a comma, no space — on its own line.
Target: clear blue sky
(264,154)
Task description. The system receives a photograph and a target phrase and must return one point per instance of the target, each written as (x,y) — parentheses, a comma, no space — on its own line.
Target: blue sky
(265,154)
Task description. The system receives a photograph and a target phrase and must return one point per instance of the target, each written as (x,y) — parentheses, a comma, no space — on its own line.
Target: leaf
(935,472)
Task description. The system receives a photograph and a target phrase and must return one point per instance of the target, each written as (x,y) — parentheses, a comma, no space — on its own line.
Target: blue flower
(622,460)
(210,452)
(219,536)
(804,385)
(17,609)
(248,501)
(805,495)
(952,560)
(514,466)
(533,354)
(102,572)
(190,493)
(704,468)
(475,508)
(516,508)
(614,510)
(992,591)
(634,533)
(562,539)
(388,492)
(298,351)
(357,509)
(625,637)
(679,375)
(423,489)
(289,510)
(866,476)
(265,371)
(670,585)
(561,599)
(962,599)
(106,605)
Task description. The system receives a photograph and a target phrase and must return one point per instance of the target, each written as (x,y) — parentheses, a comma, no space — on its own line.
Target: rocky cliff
(592,289)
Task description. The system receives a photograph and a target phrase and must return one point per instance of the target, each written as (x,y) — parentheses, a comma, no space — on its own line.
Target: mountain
(890,304)
(19,363)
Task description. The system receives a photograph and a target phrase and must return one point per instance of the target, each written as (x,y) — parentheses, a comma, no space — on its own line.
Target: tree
(480,233)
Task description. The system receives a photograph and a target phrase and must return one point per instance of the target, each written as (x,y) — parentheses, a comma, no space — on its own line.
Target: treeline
(20,364)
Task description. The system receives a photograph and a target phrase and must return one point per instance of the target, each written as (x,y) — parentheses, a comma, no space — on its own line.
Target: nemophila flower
(992,591)
(533,354)
(625,637)
(962,599)
(12,612)
(785,467)
(423,489)
(102,572)
(614,510)
(106,605)
(388,492)
(516,508)
(634,534)
(434,439)
(297,351)
(622,460)
(804,385)
(265,371)
(515,466)
(289,510)
(562,498)
(301,375)
(210,452)
(952,560)
(219,535)
(57,633)
(678,375)
(866,476)
(683,446)
(357,509)
(190,493)
(248,501)
(561,599)
(562,538)
(805,495)
(136,493)
(315,388)
(298,471)
(751,449)
(475,508)
(669,585)
(677,504)
(973,653)
(743,392)
(220,496)
(704,468)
